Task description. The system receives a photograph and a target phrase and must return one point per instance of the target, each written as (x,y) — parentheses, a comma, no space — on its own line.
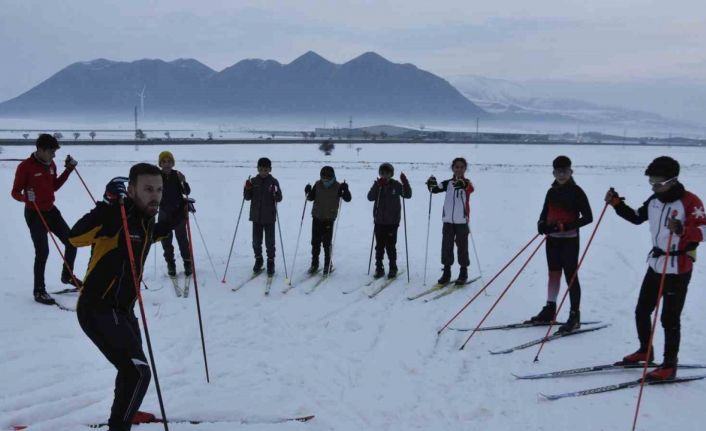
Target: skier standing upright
(671,210)
(386,192)
(35,184)
(174,187)
(456,216)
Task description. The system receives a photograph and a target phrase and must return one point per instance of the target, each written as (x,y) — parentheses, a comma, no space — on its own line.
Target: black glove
(190,204)
(459,184)
(115,189)
(70,163)
(545,229)
(307,189)
(612,197)
(431,183)
(675,226)
(342,189)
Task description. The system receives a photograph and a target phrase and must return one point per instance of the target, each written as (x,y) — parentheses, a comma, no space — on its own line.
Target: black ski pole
(203,240)
(335,232)
(426,249)
(406,249)
(232,243)
(299,235)
(372,241)
(281,242)
(196,290)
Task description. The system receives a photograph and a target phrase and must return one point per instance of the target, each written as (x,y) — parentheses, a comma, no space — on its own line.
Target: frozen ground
(354,362)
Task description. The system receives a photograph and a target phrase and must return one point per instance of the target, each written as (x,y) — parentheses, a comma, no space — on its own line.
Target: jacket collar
(675,193)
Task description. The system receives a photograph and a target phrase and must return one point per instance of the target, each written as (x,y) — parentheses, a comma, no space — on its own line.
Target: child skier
(565,211)
(263,192)
(326,194)
(671,211)
(456,215)
(173,191)
(386,193)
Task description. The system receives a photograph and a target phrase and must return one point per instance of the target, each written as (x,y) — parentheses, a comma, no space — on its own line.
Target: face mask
(328,183)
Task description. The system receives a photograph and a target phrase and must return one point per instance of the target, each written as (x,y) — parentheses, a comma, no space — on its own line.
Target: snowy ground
(354,362)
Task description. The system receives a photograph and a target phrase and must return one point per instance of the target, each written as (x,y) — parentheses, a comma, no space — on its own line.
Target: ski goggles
(654,183)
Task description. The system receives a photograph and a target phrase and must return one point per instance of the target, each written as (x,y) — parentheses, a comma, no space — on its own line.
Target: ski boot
(637,357)
(68,279)
(314,265)
(258,264)
(446,275)
(43,298)
(572,323)
(546,315)
(379,271)
(392,273)
(666,371)
(270,267)
(171,268)
(143,418)
(328,268)
(188,269)
(462,276)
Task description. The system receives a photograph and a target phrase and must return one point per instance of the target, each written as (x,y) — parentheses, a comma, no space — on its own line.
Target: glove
(545,229)
(29,195)
(115,189)
(248,184)
(675,226)
(431,183)
(460,184)
(342,189)
(612,197)
(381,181)
(307,189)
(70,163)
(274,189)
(404,179)
(190,204)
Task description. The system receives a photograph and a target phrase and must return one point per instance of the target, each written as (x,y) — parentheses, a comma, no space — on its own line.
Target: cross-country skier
(670,210)
(565,211)
(263,192)
(173,191)
(455,216)
(35,183)
(107,299)
(326,195)
(386,193)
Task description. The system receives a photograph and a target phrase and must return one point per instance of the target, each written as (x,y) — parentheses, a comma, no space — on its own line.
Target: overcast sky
(512,39)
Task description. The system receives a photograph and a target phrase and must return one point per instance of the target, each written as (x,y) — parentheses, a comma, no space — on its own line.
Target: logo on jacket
(38,174)
(699,213)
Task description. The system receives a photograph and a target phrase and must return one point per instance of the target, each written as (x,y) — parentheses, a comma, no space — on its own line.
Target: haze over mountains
(368,85)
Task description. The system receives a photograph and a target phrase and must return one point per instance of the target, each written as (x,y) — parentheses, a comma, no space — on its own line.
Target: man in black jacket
(263,192)
(173,190)
(106,303)
(387,213)
(326,195)
(565,210)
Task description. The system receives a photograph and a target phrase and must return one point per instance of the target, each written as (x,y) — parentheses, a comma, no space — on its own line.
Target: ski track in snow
(354,362)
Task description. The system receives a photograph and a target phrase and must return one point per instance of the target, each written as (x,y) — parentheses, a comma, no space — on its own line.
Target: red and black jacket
(566,207)
(35,175)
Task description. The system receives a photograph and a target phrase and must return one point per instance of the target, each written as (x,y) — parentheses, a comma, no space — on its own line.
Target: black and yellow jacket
(108,282)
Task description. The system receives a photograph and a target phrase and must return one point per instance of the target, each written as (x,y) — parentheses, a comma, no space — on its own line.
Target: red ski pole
(51,235)
(196,290)
(503,293)
(654,324)
(84,185)
(487,285)
(571,282)
(136,282)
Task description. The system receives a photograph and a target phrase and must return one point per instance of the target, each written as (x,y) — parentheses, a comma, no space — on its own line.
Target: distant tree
(92,135)
(327,147)
(192,135)
(25,135)
(58,135)
(272,135)
(139,134)
(312,135)
(76,135)
(357,150)
(304,135)
(383,135)
(210,136)
(167,135)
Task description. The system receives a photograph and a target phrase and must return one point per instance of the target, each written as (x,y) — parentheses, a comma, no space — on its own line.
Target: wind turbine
(141,95)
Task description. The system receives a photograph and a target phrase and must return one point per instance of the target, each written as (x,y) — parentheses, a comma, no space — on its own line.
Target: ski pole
(406,249)
(281,243)
(662,280)
(372,241)
(84,185)
(503,293)
(56,244)
(198,228)
(571,282)
(136,283)
(475,252)
(196,290)
(232,243)
(299,235)
(487,284)
(426,249)
(335,232)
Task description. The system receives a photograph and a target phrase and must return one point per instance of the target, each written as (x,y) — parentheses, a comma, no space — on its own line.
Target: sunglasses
(654,183)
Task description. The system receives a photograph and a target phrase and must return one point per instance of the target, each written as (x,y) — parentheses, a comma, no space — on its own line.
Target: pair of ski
(255,274)
(613,387)
(378,286)
(262,420)
(452,287)
(178,290)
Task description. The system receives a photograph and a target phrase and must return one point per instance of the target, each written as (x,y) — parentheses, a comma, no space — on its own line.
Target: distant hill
(368,85)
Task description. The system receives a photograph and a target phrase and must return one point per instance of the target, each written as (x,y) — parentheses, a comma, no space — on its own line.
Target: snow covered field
(354,362)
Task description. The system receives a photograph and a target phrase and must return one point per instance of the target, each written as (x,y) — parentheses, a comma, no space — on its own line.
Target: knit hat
(327,172)
(561,162)
(386,167)
(264,162)
(664,166)
(165,155)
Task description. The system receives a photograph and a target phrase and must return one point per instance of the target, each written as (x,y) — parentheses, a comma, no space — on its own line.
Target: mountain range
(368,85)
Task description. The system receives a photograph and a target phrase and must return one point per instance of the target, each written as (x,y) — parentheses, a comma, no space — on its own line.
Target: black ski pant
(458,234)
(182,240)
(563,255)
(386,241)
(40,239)
(674,295)
(257,233)
(117,336)
(321,234)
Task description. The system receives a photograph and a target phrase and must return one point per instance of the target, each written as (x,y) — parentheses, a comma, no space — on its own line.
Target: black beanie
(327,172)
(46,141)
(386,167)
(561,162)
(264,162)
(664,166)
